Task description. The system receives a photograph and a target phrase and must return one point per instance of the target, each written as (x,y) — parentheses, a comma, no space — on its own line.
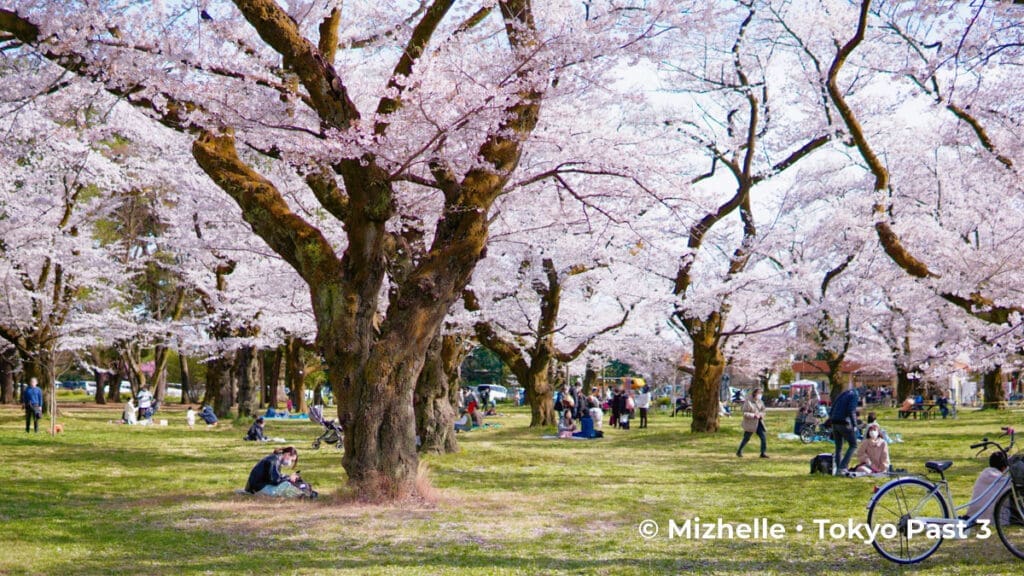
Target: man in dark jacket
(32,399)
(844,427)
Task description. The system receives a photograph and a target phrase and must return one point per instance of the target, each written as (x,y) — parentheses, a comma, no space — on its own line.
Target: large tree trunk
(7,367)
(541,398)
(995,394)
(295,374)
(271,360)
(433,399)
(375,405)
(218,387)
(836,380)
(102,379)
(114,385)
(904,385)
(248,379)
(708,366)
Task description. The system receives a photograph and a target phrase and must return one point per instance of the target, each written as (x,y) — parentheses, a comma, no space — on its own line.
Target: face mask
(873,434)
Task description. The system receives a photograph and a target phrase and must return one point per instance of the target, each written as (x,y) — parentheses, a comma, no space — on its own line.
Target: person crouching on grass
(266,478)
(753,423)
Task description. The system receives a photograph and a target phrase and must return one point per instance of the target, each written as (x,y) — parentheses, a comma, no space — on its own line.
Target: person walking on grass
(32,399)
(844,427)
(643,404)
(753,423)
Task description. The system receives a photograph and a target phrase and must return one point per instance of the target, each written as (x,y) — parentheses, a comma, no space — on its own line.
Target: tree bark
(7,367)
(271,360)
(904,385)
(836,380)
(434,395)
(218,386)
(102,379)
(114,385)
(541,397)
(248,379)
(161,355)
(589,379)
(708,366)
(995,394)
(295,374)
(187,394)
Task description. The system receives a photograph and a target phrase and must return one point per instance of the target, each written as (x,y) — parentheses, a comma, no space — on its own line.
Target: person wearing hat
(753,423)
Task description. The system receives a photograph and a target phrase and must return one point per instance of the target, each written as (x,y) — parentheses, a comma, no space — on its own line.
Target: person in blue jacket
(32,398)
(844,427)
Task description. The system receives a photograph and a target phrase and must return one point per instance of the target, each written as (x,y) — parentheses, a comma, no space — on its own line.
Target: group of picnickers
(582,415)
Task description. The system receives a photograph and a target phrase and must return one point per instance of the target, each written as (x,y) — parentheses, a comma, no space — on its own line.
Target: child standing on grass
(190,417)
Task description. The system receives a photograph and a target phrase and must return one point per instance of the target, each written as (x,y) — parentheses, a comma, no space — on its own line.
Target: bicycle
(912,504)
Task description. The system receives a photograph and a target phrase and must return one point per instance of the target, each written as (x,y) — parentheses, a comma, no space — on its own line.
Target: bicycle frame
(941,488)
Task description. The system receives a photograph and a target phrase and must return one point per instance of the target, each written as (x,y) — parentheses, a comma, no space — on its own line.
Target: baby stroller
(332,430)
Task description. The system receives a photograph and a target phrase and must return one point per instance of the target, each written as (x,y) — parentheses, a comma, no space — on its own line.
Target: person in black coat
(267,471)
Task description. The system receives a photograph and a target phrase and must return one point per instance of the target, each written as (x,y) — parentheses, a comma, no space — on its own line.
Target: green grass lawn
(110,499)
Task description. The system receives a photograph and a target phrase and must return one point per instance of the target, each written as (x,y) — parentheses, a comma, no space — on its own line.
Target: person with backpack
(753,423)
(844,427)
(32,399)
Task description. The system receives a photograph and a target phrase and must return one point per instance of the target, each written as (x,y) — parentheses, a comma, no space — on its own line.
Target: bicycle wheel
(807,433)
(890,513)
(1008,516)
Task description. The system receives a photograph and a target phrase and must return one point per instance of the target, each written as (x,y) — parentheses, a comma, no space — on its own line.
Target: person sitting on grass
(873,452)
(463,424)
(566,426)
(266,478)
(997,464)
(255,433)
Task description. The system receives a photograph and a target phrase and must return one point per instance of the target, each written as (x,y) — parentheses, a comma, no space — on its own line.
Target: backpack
(822,464)
(307,490)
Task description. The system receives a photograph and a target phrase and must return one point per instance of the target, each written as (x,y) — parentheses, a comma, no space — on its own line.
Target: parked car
(73,385)
(173,390)
(498,393)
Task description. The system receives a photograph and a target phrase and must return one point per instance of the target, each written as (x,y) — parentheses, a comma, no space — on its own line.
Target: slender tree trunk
(435,412)
(102,379)
(708,366)
(7,366)
(995,394)
(247,376)
(272,375)
(295,374)
(161,355)
(541,397)
(187,394)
